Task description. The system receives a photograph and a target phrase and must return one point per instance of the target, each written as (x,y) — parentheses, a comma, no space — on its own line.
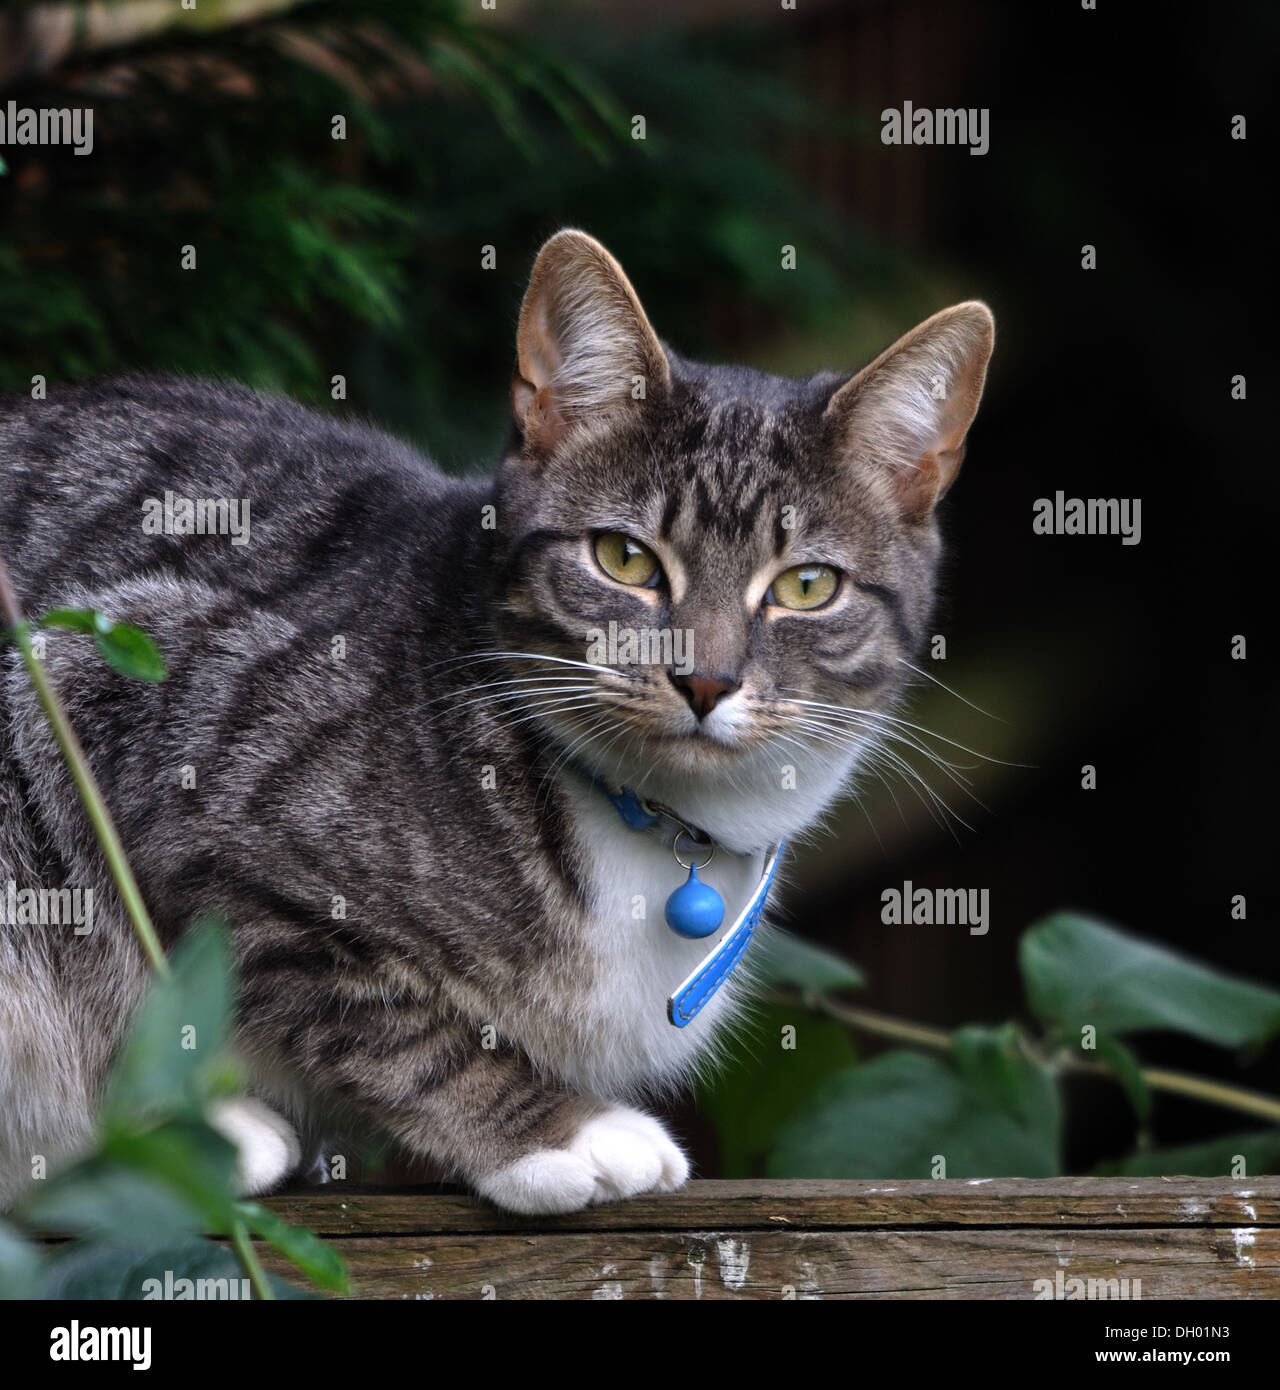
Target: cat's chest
(633,961)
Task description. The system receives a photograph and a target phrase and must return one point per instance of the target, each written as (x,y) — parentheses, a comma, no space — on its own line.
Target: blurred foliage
(992,1104)
(750,1098)
(896,1115)
(362,256)
(160,1174)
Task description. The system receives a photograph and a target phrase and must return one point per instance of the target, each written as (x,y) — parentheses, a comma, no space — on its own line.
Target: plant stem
(880,1025)
(249,1259)
(86,785)
(1158,1079)
(1215,1092)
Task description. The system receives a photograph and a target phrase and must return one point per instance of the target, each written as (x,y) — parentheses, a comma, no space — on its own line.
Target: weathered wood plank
(338,1210)
(1178,1263)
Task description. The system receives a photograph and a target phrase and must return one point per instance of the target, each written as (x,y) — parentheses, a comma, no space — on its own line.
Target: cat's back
(111,478)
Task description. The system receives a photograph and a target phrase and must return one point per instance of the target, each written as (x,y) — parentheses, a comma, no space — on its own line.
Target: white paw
(267,1146)
(618,1154)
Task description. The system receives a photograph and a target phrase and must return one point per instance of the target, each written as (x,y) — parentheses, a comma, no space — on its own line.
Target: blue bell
(695,909)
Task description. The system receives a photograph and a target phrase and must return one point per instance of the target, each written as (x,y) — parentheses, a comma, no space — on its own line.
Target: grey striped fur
(460,1002)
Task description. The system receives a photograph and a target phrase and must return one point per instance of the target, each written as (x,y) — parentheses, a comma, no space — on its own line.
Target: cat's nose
(704,692)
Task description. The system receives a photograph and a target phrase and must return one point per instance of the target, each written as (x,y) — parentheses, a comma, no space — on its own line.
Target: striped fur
(433,911)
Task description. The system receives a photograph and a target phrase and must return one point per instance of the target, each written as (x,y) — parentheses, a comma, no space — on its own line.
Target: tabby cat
(390,754)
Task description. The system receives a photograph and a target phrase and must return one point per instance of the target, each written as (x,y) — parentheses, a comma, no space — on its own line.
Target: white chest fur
(636,959)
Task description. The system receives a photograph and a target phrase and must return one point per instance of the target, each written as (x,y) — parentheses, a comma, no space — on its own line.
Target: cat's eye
(804,587)
(626,560)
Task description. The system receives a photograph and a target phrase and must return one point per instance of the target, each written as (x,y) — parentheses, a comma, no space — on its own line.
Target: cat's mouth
(651,737)
(710,744)
(623,720)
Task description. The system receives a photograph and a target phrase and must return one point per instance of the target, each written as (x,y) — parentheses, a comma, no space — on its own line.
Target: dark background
(1113,383)
(1107,128)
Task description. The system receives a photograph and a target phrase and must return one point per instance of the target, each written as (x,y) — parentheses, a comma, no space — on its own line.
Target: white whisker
(942,685)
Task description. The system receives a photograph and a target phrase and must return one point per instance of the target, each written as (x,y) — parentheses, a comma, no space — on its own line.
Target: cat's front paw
(615,1155)
(267,1147)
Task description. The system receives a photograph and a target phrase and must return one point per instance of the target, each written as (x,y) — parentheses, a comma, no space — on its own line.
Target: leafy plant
(160,1174)
(986,1102)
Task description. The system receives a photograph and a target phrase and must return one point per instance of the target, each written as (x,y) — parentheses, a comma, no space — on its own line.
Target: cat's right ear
(584,349)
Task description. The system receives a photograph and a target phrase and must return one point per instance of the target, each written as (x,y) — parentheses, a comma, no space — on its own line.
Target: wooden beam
(998,1238)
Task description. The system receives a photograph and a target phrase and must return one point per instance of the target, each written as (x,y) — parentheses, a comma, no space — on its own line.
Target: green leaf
(321,1263)
(134,1270)
(1078,971)
(1214,1159)
(749,1100)
(783,959)
(20,1265)
(891,1117)
(73,619)
(188,1157)
(994,1062)
(122,646)
(130,651)
(170,1060)
(101,1197)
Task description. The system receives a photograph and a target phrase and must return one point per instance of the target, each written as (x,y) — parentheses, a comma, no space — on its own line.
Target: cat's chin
(700,752)
(697,754)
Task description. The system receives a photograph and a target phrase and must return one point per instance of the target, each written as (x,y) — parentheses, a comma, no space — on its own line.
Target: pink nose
(703,692)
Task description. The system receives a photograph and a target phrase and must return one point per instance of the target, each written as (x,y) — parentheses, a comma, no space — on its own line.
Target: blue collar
(692,909)
(635,811)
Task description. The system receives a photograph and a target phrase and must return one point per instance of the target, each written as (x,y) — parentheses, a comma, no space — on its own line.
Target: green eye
(626,560)
(805,586)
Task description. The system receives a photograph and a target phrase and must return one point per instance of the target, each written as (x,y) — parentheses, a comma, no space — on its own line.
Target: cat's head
(716,567)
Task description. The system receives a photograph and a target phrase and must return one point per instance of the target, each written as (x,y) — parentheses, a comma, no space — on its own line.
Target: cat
(383,755)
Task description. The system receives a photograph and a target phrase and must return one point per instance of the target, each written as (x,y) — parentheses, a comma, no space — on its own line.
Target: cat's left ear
(585,352)
(907,413)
